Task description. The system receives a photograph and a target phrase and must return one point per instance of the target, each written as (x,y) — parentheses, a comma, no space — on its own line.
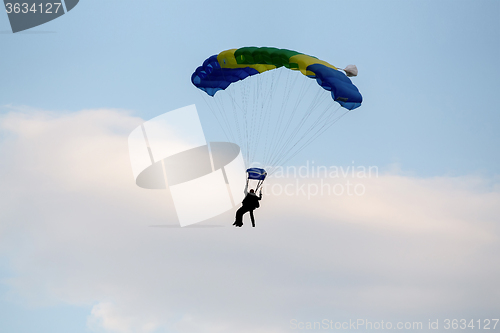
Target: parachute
(257,174)
(261,103)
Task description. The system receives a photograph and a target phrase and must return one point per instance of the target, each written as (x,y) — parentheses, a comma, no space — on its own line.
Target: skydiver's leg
(239,216)
(251,217)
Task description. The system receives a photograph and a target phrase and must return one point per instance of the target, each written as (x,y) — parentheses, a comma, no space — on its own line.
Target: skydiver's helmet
(251,191)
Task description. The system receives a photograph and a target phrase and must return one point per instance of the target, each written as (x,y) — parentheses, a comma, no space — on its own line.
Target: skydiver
(250,203)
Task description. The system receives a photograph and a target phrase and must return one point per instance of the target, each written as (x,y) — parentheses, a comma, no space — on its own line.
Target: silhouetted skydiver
(250,202)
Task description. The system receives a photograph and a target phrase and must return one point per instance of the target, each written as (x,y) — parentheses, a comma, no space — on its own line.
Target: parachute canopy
(256,173)
(265,101)
(221,70)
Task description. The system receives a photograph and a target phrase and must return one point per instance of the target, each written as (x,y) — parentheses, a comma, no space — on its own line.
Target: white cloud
(76,230)
(106,316)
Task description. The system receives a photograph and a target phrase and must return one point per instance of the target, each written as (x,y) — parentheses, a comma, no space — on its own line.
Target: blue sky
(428,71)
